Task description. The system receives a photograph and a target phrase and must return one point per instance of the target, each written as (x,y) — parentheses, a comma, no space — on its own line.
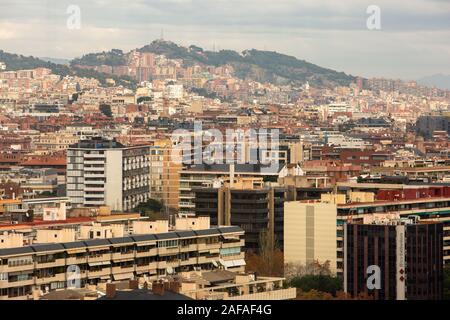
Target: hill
(262,66)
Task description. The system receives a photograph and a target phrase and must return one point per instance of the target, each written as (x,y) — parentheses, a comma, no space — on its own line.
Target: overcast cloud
(414,39)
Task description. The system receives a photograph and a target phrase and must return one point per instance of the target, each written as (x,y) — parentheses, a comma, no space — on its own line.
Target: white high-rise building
(105,172)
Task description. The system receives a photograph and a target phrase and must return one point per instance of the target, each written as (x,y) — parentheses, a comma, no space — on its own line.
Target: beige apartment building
(164,174)
(55,141)
(29,271)
(310,233)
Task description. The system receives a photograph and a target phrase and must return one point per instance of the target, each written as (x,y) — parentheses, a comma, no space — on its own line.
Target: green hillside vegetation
(262,66)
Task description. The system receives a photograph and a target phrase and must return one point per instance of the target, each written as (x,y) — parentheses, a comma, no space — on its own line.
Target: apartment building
(310,234)
(30,271)
(428,209)
(105,172)
(203,176)
(164,174)
(247,203)
(393,259)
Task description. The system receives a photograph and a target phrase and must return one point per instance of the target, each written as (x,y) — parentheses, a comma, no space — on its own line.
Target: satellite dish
(169,270)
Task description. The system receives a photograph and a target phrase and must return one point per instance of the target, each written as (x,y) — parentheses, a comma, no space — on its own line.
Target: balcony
(211,246)
(162,265)
(98,189)
(128,269)
(20,283)
(100,273)
(93,161)
(46,280)
(94,175)
(100,181)
(56,263)
(191,247)
(173,264)
(123,256)
(94,170)
(100,258)
(239,243)
(149,253)
(188,262)
(203,259)
(6,268)
(153,266)
(238,256)
(90,156)
(142,269)
(168,251)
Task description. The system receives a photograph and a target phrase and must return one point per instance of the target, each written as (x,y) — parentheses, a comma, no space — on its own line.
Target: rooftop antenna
(162,33)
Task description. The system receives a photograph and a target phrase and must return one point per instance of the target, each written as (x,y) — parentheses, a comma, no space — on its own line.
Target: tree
(268,261)
(322,283)
(151,207)
(313,295)
(106,110)
(143,99)
(446,283)
(292,270)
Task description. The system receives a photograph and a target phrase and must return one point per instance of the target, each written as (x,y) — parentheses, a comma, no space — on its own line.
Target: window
(168,243)
(230,251)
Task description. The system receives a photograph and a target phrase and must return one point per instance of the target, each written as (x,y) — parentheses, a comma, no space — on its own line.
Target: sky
(413,41)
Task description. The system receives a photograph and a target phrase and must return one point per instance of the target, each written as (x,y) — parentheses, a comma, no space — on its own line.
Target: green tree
(106,110)
(150,207)
(143,99)
(322,283)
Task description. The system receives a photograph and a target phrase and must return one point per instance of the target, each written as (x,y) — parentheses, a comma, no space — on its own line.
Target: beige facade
(333,198)
(8,240)
(55,235)
(55,141)
(310,233)
(99,231)
(361,196)
(144,227)
(191,223)
(31,271)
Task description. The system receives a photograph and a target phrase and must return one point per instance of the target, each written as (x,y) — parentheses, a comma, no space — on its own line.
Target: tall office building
(105,172)
(394,259)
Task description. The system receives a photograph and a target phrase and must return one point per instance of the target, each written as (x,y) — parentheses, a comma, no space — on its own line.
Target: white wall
(113,185)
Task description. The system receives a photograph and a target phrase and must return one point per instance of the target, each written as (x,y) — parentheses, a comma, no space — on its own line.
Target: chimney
(133,284)
(158,288)
(175,286)
(110,290)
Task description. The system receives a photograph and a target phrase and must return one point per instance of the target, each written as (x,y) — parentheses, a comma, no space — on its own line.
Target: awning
(226,263)
(230,237)
(239,262)
(232,263)
(123,259)
(73,251)
(100,263)
(123,276)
